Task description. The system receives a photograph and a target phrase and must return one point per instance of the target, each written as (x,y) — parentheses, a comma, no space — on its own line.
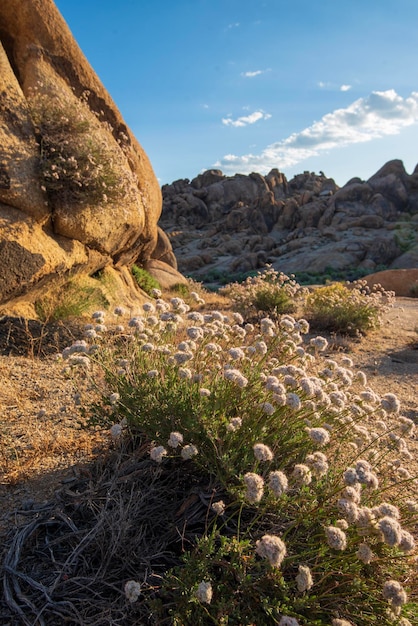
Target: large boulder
(77,191)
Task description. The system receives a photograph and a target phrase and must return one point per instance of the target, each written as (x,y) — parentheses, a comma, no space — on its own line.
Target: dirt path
(389,356)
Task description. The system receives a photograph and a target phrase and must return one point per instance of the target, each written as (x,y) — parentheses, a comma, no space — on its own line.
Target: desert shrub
(269,292)
(295,493)
(352,309)
(145,281)
(76,163)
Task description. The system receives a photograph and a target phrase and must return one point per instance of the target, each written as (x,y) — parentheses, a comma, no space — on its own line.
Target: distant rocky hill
(227,225)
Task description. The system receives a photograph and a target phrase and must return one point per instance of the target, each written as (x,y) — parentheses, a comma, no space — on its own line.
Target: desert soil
(42,442)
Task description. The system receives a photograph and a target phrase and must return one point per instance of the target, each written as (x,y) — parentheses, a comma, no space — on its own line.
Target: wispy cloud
(379,114)
(255,73)
(233,25)
(245,120)
(345,87)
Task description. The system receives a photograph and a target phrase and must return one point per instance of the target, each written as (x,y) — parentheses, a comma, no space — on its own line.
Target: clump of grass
(145,281)
(75,298)
(351,309)
(269,291)
(76,162)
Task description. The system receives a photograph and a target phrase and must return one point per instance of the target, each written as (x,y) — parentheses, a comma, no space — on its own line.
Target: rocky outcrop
(226,225)
(52,103)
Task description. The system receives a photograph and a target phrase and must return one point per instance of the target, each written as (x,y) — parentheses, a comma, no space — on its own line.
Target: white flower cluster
(272,548)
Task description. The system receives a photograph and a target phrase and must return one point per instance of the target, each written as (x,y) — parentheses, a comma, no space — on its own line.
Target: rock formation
(228,225)
(77,191)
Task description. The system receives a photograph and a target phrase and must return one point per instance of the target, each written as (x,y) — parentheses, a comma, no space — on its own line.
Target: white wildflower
(271,548)
(349,509)
(175,439)
(278,483)
(255,487)
(236,353)
(318,463)
(204,393)
(285,620)
(237,317)
(267,408)
(218,507)
(319,343)
(407,542)
(390,403)
(261,347)
(114,398)
(262,452)
(157,453)
(302,474)
(391,530)
(234,424)
(195,333)
(364,553)
(293,401)
(189,451)
(132,590)
(387,509)
(336,538)
(319,435)
(184,373)
(394,593)
(204,592)
(304,578)
(115,431)
(341,523)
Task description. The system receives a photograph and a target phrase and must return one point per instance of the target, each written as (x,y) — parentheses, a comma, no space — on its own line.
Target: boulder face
(77,191)
(220,226)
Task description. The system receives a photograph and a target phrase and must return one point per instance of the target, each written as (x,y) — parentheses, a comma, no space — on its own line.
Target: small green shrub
(269,292)
(145,281)
(351,311)
(181,289)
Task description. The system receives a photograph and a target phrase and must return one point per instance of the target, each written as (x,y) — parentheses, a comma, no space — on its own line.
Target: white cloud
(255,73)
(233,25)
(381,113)
(245,120)
(345,87)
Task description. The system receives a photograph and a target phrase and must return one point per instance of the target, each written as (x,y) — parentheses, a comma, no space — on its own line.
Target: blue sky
(246,86)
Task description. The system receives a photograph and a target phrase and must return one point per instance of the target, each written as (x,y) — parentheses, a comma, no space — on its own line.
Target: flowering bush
(308,507)
(76,163)
(353,309)
(269,291)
